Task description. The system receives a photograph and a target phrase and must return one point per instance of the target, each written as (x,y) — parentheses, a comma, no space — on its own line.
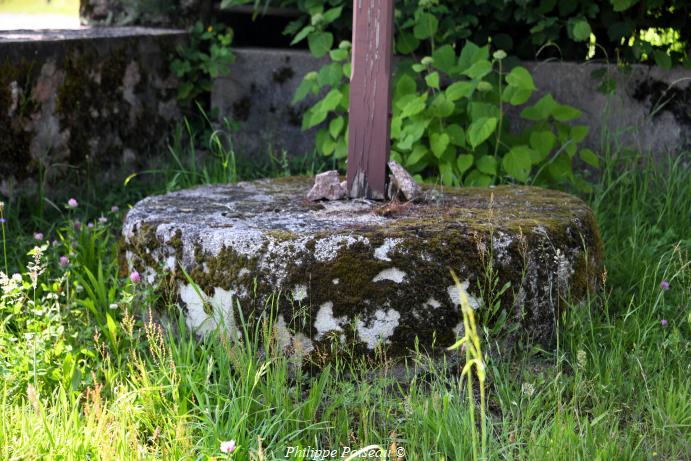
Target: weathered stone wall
(648,110)
(161,13)
(83,105)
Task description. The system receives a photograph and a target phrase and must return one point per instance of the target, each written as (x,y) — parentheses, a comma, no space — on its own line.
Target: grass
(88,372)
(61,7)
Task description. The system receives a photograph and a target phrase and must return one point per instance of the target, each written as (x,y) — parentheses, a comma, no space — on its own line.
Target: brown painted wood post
(370,98)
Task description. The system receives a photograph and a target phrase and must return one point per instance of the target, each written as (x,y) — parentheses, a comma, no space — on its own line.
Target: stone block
(83,105)
(369,273)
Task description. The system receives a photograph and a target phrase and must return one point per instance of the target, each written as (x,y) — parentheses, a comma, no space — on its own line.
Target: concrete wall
(82,105)
(258,92)
(97,104)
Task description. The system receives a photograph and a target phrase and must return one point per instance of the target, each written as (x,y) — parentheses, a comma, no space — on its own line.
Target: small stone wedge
(327,186)
(402,184)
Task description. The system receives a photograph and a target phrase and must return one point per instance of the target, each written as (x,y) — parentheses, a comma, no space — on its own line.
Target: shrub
(630,30)
(449,120)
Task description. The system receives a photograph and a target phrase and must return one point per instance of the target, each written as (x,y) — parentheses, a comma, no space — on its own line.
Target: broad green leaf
(335,126)
(456,135)
(328,146)
(579,132)
(338,55)
(483,109)
(519,77)
(432,80)
(396,125)
(464,162)
(441,106)
(303,90)
(302,34)
(341,147)
(405,85)
(415,106)
(400,102)
(317,113)
(564,113)
(480,130)
(406,43)
(479,69)
(487,164)
(445,58)
(484,86)
(517,163)
(425,26)
(541,110)
(446,174)
(418,67)
(477,179)
(439,142)
(560,168)
(589,157)
(332,14)
(322,136)
(330,74)
(470,54)
(623,5)
(458,90)
(579,29)
(542,143)
(320,43)
(419,152)
(515,96)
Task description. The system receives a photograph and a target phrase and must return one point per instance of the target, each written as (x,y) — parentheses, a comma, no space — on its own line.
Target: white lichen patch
(149,275)
(302,345)
(327,248)
(326,321)
(394,274)
(297,345)
(455,295)
(197,318)
(283,337)
(433,303)
(299,292)
(379,329)
(382,252)
(500,246)
(564,269)
(170,263)
(278,255)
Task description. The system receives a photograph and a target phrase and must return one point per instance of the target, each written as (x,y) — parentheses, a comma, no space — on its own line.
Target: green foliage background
(626,30)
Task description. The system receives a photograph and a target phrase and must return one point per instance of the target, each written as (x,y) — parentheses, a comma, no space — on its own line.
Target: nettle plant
(448,123)
(206,57)
(321,14)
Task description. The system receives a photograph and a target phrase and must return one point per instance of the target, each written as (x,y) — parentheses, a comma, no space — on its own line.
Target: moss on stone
(534,238)
(15,149)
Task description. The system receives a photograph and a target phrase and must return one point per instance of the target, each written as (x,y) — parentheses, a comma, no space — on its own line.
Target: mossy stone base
(376,273)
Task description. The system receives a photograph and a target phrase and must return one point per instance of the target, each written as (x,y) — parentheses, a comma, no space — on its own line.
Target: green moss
(16,140)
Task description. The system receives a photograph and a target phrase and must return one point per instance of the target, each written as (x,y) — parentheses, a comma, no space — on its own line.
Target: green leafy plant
(322,14)
(206,57)
(628,30)
(448,122)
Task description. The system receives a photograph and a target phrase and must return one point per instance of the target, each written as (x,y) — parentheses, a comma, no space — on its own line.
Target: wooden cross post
(370,98)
